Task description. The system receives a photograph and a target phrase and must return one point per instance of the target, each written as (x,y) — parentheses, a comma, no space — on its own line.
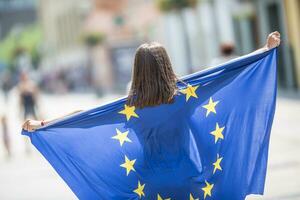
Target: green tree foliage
(29,40)
(93,39)
(168,5)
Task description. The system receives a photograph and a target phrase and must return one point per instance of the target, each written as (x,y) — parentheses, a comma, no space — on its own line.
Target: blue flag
(210,143)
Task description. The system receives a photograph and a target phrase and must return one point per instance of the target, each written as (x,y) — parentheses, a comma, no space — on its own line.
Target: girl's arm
(273,41)
(32,125)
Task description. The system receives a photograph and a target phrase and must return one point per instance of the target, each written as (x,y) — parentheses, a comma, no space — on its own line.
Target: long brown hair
(153,79)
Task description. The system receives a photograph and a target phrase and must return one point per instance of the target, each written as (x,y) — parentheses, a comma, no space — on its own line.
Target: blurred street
(23,173)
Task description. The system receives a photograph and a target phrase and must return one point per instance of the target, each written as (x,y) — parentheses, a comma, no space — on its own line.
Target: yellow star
(190,91)
(207,189)
(217,164)
(122,137)
(128,165)
(210,107)
(160,198)
(192,198)
(140,190)
(218,132)
(129,112)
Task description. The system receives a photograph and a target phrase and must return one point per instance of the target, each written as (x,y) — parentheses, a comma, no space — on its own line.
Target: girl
(153,79)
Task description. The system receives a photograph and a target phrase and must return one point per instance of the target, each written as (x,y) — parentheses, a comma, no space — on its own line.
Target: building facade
(127,23)
(61,23)
(244,23)
(15,14)
(292,10)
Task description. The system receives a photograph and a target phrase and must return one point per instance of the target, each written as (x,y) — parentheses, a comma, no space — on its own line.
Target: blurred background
(57,56)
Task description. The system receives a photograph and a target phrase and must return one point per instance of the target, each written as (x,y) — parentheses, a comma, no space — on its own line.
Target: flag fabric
(210,143)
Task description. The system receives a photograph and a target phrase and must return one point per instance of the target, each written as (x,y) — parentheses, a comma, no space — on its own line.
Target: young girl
(153,79)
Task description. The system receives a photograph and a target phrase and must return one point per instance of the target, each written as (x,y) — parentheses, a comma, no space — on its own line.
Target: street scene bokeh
(57,57)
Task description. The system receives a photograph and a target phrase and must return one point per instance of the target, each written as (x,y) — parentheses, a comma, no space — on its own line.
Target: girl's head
(153,79)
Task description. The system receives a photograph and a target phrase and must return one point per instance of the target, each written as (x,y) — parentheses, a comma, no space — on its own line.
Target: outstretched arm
(273,40)
(32,125)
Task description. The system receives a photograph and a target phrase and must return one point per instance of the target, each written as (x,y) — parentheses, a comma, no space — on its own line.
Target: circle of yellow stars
(122,137)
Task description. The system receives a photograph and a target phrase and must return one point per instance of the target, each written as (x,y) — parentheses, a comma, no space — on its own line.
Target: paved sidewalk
(283,177)
(32,178)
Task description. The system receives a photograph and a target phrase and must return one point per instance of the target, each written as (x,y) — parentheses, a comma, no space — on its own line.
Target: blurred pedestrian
(227,53)
(28,92)
(5,136)
(6,85)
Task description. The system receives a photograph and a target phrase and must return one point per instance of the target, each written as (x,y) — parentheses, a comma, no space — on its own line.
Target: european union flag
(211,143)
